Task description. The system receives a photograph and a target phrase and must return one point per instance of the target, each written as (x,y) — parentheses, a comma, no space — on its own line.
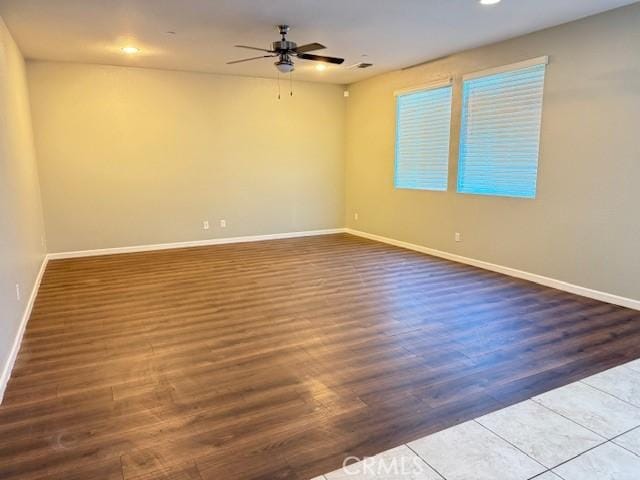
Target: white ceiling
(391,33)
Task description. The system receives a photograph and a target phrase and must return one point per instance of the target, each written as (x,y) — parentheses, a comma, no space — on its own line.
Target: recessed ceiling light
(130,50)
(321,67)
(489,2)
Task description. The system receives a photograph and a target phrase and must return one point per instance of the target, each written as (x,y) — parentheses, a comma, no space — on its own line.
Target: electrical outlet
(205,225)
(223,224)
(355,216)
(18,291)
(458,237)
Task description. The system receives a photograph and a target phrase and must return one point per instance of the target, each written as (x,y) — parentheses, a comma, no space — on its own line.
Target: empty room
(319,240)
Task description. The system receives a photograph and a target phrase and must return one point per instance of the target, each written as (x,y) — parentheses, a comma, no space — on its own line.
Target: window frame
(543,60)
(445,83)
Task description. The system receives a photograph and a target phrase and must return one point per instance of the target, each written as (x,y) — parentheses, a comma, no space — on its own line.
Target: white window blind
(423,122)
(500,131)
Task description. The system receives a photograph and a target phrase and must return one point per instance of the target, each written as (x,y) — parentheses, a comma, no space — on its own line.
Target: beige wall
(21,229)
(131,156)
(584,225)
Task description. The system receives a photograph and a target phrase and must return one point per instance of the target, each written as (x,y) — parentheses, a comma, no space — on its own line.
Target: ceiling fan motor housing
(283,46)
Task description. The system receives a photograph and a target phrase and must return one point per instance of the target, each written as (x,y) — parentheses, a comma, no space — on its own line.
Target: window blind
(500,132)
(423,121)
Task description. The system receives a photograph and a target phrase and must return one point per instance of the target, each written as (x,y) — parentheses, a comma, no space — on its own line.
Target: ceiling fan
(284,50)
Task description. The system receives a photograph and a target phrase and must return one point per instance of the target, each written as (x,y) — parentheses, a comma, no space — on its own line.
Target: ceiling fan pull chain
(278,85)
(291,84)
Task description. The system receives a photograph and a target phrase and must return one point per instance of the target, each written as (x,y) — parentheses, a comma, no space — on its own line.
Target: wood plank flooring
(276,360)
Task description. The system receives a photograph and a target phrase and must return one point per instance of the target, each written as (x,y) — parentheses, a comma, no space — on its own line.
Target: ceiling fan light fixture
(284,66)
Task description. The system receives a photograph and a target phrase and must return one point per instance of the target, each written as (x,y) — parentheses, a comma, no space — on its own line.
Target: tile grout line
(625,432)
(621,435)
(543,473)
(547,469)
(557,475)
(572,420)
(624,448)
(507,441)
(425,460)
(605,441)
(604,391)
(579,455)
(608,440)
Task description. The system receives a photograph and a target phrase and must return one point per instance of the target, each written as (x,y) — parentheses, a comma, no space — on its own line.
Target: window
(423,121)
(500,132)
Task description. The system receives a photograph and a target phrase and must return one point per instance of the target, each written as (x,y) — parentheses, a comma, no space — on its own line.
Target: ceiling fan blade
(254,48)
(320,58)
(309,47)
(249,59)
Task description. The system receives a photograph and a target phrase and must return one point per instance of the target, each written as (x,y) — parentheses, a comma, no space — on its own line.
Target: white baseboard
(17,341)
(196,243)
(512,272)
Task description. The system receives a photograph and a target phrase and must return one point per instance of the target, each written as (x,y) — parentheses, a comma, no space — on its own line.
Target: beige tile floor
(588,430)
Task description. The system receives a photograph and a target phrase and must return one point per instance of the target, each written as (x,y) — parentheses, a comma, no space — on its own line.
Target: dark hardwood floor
(278,359)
